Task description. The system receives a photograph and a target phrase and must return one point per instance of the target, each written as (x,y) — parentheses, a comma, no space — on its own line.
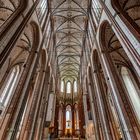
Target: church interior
(69,69)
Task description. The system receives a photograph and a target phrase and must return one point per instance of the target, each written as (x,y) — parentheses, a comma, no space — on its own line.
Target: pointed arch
(68,87)
(62,88)
(131,89)
(9,86)
(68,117)
(75,87)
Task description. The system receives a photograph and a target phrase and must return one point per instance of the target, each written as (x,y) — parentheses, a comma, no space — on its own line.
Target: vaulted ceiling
(69,18)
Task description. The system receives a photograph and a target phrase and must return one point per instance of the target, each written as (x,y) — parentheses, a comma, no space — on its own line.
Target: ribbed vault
(69,19)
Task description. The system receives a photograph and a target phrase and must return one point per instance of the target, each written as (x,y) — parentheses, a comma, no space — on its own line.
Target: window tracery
(62,86)
(42,9)
(132,91)
(68,117)
(9,86)
(96,7)
(75,86)
(68,87)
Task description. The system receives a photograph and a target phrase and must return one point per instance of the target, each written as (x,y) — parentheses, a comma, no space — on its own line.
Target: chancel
(69,69)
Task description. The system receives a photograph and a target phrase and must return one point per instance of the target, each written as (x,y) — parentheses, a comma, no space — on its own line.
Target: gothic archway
(116,57)
(106,96)
(30,60)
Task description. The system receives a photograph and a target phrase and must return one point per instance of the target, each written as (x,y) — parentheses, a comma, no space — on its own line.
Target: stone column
(22,132)
(56,118)
(54,109)
(38,105)
(35,107)
(85,108)
(39,128)
(101,97)
(44,125)
(73,121)
(73,108)
(85,112)
(128,122)
(64,119)
(81,117)
(97,118)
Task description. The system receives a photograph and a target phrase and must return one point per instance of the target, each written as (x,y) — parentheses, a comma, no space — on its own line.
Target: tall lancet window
(9,86)
(68,117)
(132,91)
(96,7)
(62,86)
(69,87)
(42,7)
(75,86)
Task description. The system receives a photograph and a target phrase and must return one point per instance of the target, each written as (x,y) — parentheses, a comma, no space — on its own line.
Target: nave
(69,69)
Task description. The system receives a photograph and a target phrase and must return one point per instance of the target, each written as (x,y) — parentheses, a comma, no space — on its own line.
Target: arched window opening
(68,117)
(110,43)
(75,86)
(42,8)
(96,8)
(62,86)
(9,87)
(106,91)
(132,91)
(68,87)
(114,113)
(47,35)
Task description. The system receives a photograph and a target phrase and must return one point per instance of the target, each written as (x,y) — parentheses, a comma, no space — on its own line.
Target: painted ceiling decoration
(69,19)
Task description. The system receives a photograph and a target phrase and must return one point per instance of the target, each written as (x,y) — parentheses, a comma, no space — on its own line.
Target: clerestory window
(68,87)
(62,86)
(9,87)
(132,91)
